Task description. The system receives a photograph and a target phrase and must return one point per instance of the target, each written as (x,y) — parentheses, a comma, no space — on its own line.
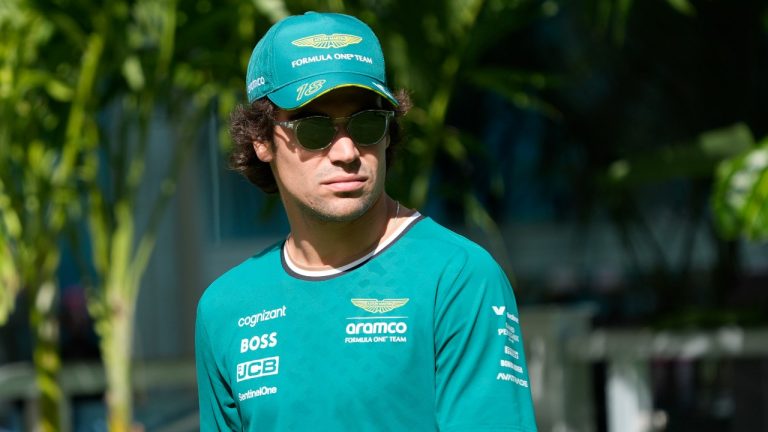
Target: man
(368,316)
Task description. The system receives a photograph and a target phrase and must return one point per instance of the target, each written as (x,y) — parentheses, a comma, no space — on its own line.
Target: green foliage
(740,198)
(681,160)
(35,192)
(518,87)
(610,17)
(52,151)
(683,6)
(43,103)
(163,58)
(9,282)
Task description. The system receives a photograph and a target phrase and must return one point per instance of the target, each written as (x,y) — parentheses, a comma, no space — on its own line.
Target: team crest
(325,41)
(379,306)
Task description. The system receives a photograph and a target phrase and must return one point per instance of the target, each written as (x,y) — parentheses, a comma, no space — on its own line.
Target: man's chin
(353,207)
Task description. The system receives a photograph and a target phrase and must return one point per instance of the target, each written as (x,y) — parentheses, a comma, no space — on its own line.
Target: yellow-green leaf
(133,73)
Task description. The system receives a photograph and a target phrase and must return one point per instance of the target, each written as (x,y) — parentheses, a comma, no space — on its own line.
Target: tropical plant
(168,67)
(740,197)
(76,129)
(667,100)
(141,37)
(44,107)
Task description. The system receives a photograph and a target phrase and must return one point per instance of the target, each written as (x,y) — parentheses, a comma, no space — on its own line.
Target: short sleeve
(218,409)
(481,374)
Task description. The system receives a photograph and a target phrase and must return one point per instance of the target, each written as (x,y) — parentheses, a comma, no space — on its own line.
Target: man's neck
(319,244)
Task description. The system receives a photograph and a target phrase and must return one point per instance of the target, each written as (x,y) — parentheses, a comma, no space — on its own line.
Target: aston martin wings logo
(379,306)
(336,40)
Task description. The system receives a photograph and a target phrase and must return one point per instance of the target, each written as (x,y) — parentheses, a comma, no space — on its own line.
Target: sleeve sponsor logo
(499,310)
(508,364)
(379,306)
(258,368)
(326,41)
(265,315)
(258,342)
(511,352)
(511,331)
(501,376)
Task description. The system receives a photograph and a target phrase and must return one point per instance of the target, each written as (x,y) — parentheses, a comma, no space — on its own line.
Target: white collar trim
(338,270)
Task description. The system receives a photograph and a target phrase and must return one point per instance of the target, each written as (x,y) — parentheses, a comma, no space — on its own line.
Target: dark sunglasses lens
(368,127)
(315,133)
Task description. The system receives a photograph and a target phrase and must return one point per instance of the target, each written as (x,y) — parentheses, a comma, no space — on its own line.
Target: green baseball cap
(305,56)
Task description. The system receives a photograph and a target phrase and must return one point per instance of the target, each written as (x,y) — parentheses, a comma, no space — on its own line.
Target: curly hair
(255,122)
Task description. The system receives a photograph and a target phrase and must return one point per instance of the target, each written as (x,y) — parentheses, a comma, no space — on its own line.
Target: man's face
(339,183)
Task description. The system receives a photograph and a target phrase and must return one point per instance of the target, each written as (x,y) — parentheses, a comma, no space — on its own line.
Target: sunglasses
(316,133)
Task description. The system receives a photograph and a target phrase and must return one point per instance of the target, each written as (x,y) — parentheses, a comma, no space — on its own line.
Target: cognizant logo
(265,315)
(381,327)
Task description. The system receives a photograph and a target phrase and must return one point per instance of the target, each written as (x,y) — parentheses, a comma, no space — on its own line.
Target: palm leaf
(740,199)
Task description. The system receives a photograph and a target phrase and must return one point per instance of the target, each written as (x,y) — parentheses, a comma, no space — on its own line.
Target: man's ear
(263,151)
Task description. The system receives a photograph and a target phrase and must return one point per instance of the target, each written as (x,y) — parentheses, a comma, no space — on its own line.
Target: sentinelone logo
(265,315)
(374,329)
(262,391)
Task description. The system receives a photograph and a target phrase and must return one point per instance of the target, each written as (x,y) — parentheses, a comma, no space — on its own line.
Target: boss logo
(258,368)
(258,342)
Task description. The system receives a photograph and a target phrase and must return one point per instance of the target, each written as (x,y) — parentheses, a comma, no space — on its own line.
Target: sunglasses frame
(293,125)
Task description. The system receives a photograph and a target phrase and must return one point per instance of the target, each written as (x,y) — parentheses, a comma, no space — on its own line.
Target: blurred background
(611,154)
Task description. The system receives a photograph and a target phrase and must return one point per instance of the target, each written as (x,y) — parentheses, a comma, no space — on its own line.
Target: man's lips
(345,183)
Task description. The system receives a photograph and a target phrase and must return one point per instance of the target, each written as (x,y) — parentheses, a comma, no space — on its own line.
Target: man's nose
(343,149)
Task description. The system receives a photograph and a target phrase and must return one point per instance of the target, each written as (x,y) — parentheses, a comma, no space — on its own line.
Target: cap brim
(300,93)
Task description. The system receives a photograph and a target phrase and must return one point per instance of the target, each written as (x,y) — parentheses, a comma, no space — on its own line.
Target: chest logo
(379,306)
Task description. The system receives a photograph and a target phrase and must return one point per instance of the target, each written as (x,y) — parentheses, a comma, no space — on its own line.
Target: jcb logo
(258,368)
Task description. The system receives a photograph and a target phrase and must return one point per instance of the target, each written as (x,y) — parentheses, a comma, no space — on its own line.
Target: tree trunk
(47,362)
(117,343)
